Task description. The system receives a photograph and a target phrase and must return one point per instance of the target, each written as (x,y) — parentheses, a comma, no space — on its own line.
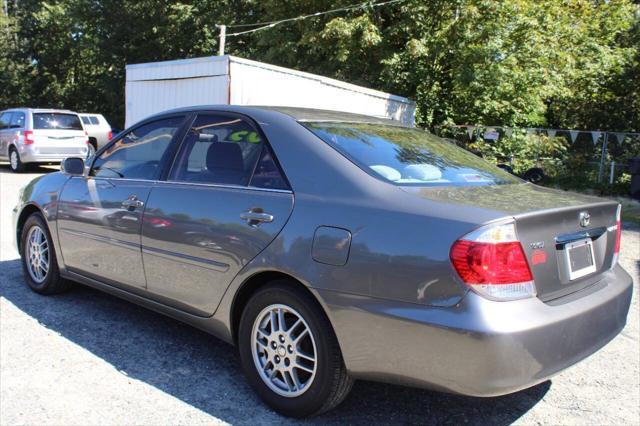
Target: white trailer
(159,86)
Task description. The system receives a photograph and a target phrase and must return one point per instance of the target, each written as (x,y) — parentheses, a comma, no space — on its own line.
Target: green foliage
(522,151)
(572,64)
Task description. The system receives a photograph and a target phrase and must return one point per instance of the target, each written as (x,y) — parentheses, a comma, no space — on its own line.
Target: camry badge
(584,218)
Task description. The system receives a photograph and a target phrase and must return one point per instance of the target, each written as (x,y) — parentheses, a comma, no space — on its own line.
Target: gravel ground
(89,358)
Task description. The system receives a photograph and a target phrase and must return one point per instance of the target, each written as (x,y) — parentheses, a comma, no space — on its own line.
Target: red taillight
(492,262)
(110,135)
(28,137)
(616,248)
(489,263)
(618,237)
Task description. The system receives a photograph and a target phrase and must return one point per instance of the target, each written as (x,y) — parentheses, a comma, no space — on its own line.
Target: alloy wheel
(14,160)
(284,350)
(37,254)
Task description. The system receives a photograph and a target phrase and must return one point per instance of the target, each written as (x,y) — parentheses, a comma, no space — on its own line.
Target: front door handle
(255,217)
(132,203)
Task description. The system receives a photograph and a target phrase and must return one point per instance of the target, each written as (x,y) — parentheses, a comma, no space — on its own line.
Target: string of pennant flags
(491,132)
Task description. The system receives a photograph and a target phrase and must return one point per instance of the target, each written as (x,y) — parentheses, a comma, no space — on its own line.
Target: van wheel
(39,263)
(289,352)
(17,166)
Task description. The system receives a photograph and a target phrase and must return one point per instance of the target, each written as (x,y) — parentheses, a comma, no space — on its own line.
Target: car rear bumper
(480,347)
(52,154)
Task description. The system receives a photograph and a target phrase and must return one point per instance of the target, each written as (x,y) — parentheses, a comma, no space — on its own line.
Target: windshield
(52,120)
(406,156)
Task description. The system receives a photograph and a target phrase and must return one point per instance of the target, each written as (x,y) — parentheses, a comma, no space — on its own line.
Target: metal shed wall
(256,83)
(158,86)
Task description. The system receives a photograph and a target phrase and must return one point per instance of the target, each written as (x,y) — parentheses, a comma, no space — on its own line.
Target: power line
(272,24)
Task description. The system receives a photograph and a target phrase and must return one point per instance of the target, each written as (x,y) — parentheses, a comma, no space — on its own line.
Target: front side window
(17,121)
(218,150)
(407,156)
(139,153)
(56,121)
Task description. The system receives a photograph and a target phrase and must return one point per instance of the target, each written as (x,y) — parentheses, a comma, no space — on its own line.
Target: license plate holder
(579,258)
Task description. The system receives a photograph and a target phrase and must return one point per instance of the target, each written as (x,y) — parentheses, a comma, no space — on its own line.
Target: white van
(30,135)
(97,128)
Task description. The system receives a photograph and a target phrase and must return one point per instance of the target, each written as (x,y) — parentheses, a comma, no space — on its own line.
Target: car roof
(39,110)
(299,114)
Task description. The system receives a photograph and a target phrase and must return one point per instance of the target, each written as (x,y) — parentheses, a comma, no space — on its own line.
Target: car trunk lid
(566,252)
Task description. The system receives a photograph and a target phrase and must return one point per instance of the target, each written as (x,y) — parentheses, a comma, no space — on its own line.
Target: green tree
(573,63)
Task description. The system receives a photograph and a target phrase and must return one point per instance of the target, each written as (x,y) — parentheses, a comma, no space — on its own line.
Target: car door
(224,201)
(99,215)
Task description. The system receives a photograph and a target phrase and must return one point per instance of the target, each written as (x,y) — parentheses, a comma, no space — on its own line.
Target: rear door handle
(255,217)
(132,203)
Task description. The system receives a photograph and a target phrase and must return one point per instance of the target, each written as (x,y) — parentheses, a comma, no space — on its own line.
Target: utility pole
(223,35)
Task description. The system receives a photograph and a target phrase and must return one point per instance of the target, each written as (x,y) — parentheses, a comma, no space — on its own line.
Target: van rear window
(56,121)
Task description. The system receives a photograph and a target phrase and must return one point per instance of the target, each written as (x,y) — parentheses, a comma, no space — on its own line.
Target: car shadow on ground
(204,372)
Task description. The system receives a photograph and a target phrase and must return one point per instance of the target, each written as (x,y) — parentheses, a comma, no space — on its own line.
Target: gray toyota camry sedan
(329,247)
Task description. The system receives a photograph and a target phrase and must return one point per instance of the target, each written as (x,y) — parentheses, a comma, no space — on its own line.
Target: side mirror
(72,166)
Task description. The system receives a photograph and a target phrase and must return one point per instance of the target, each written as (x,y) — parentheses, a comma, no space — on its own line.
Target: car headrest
(386,172)
(224,155)
(424,172)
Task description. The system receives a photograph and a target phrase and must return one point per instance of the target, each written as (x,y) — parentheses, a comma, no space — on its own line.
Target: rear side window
(5,120)
(17,121)
(407,156)
(85,120)
(94,120)
(138,154)
(218,150)
(56,121)
(267,173)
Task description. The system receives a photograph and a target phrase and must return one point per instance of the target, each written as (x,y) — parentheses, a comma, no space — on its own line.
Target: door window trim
(229,114)
(226,186)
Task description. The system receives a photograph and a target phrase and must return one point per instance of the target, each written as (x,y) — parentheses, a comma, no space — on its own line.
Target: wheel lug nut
(290,349)
(281,339)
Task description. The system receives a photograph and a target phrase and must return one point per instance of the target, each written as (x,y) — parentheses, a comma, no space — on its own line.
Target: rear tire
(299,387)
(16,164)
(39,262)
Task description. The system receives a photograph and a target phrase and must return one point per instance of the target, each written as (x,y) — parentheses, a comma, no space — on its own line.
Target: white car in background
(35,135)
(98,129)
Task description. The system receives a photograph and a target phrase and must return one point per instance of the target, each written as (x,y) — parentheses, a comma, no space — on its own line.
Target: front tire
(39,263)
(16,164)
(289,352)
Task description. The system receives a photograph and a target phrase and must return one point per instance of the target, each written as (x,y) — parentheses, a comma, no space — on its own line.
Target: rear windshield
(406,156)
(54,120)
